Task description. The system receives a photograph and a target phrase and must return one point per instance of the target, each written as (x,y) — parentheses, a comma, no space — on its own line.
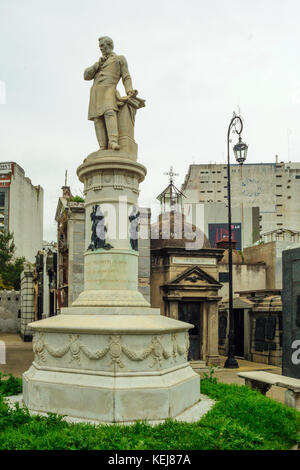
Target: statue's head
(106,45)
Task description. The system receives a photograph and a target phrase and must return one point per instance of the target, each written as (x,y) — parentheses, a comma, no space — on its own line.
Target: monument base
(111,367)
(111,398)
(191,415)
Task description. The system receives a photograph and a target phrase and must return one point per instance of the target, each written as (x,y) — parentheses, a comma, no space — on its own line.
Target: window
(2,199)
(224,277)
(297,177)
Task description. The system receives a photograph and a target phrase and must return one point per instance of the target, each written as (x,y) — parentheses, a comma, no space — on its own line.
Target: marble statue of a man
(103,105)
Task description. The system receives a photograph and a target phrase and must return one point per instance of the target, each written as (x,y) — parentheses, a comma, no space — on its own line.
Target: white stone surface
(114,324)
(111,397)
(112,368)
(191,415)
(92,310)
(273,379)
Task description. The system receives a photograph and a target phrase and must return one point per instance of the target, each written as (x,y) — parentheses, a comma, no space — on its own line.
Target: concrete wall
(244,277)
(25,214)
(10,302)
(271,254)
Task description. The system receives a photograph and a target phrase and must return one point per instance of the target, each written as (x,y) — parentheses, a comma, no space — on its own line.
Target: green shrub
(10,385)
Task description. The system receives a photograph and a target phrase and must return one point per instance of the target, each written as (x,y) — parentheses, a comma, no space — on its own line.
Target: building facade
(273,187)
(184,282)
(21,210)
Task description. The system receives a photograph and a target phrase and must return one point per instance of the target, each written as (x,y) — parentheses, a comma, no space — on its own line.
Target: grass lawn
(241,419)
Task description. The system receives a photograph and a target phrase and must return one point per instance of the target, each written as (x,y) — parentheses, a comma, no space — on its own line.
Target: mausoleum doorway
(238,315)
(191,312)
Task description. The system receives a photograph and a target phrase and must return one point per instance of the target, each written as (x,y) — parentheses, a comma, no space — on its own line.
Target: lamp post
(240,152)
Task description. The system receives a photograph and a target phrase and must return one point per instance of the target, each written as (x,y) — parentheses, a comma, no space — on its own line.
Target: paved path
(19,357)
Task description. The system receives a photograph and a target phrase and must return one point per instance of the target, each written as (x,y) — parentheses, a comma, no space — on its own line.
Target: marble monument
(110,357)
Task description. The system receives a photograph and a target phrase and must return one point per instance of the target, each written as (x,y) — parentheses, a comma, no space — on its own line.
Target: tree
(10,266)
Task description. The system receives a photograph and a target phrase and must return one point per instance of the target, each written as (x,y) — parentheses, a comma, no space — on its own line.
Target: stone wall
(10,311)
(291,312)
(144,253)
(263,327)
(272,349)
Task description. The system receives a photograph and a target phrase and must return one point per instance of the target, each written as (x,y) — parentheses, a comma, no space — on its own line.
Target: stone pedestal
(110,357)
(115,366)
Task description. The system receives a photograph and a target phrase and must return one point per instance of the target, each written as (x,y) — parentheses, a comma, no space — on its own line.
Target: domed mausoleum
(184,275)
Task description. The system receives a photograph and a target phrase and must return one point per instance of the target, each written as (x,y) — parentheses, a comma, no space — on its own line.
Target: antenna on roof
(66,177)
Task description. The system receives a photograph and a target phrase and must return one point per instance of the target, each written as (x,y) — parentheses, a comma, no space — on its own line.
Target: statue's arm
(90,72)
(126,78)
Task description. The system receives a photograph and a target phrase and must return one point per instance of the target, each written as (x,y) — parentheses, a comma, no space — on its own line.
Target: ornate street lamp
(240,152)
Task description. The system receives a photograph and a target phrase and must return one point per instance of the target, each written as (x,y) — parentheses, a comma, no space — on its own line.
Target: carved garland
(115,348)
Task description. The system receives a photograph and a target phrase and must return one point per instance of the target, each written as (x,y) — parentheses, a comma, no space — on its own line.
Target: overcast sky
(193,61)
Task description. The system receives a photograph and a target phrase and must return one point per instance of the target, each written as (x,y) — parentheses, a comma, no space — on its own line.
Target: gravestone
(291,312)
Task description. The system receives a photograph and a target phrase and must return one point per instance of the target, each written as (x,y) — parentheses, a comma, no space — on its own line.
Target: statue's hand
(132,93)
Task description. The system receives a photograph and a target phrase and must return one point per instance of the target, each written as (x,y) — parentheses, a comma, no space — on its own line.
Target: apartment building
(21,210)
(272,187)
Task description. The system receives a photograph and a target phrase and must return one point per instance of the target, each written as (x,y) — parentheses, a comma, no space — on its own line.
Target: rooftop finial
(171,175)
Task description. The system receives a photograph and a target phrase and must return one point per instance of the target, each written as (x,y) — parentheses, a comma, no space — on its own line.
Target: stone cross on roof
(171,175)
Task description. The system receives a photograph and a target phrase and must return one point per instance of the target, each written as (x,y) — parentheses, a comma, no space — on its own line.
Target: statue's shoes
(115,146)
